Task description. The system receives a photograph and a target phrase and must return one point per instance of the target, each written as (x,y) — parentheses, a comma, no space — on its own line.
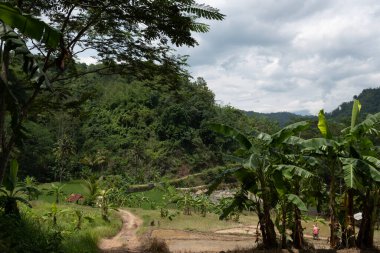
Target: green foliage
(368,97)
(30,26)
(11,192)
(39,238)
(56,191)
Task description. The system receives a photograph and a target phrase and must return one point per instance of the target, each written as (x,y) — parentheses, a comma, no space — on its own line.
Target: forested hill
(370,100)
(141,129)
(283,118)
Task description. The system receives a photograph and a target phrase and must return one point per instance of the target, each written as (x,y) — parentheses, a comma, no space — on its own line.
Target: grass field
(66,227)
(194,222)
(85,239)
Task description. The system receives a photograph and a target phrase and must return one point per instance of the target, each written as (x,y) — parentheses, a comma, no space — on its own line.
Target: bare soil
(188,241)
(126,240)
(239,239)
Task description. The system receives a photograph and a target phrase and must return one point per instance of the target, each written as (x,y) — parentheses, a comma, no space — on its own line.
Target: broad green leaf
(374,167)
(375,174)
(295,200)
(237,203)
(24,201)
(279,183)
(373,161)
(322,125)
(29,26)
(366,125)
(288,131)
(13,172)
(294,140)
(350,165)
(231,132)
(219,179)
(319,144)
(355,113)
(289,171)
(253,162)
(264,137)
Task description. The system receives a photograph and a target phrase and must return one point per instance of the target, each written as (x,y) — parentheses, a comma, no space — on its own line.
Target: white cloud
(290,55)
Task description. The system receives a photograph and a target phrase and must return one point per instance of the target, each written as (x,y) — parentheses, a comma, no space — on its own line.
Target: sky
(289,55)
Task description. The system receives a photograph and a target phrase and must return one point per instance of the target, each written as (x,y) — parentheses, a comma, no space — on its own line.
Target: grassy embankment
(78,228)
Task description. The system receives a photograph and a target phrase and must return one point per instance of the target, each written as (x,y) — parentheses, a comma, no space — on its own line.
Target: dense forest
(137,123)
(142,129)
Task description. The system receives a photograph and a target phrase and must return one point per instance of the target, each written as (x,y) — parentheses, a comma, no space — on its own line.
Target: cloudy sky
(289,55)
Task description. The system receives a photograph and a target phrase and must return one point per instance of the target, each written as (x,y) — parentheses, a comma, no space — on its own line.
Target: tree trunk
(348,235)
(283,232)
(4,147)
(367,226)
(333,223)
(267,228)
(11,208)
(298,241)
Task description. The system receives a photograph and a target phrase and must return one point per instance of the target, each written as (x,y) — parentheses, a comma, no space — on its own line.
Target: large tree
(125,36)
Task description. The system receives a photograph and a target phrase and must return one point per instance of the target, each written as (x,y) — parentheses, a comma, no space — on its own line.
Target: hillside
(283,118)
(369,98)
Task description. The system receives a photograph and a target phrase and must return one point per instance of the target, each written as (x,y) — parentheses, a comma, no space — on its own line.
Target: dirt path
(126,240)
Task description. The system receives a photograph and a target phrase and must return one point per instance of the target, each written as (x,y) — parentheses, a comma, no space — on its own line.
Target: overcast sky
(289,55)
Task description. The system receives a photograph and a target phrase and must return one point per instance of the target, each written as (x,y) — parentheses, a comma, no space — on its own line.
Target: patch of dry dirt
(238,238)
(126,240)
(188,241)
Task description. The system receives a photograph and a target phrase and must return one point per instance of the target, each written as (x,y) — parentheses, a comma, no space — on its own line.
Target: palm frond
(204,11)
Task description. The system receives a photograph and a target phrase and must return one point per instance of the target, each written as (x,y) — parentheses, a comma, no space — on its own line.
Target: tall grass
(35,231)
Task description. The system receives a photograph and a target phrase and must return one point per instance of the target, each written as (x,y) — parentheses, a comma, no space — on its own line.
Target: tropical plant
(56,191)
(11,192)
(264,151)
(104,203)
(54,213)
(63,151)
(121,33)
(92,186)
(29,186)
(347,158)
(79,219)
(12,100)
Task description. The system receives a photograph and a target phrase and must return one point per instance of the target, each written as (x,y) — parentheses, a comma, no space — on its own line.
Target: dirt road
(126,240)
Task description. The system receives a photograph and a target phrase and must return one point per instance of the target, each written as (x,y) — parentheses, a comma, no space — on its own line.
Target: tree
(256,175)
(130,37)
(63,150)
(11,192)
(14,103)
(348,158)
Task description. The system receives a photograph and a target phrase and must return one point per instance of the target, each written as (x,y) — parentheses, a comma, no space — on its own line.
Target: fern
(204,11)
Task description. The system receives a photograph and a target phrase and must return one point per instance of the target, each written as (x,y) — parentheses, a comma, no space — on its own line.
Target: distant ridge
(369,98)
(283,118)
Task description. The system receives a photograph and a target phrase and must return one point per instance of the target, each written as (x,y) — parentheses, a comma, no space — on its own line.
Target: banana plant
(92,186)
(30,188)
(11,192)
(15,95)
(344,158)
(54,213)
(288,180)
(255,173)
(104,203)
(56,191)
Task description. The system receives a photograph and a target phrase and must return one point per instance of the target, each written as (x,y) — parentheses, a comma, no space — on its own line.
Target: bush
(25,234)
